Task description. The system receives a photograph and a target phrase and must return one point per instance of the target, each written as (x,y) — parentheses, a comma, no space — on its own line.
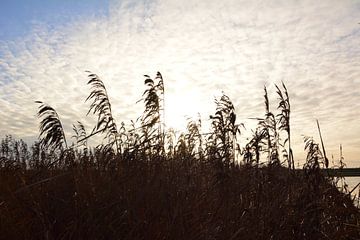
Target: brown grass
(173,199)
(143,183)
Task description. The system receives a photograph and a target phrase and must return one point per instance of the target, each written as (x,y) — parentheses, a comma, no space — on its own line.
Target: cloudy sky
(201,47)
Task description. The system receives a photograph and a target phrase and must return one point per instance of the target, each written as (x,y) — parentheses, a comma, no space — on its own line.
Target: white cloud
(201,48)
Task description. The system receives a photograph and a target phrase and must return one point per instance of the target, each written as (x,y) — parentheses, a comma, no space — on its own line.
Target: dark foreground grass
(144,182)
(173,199)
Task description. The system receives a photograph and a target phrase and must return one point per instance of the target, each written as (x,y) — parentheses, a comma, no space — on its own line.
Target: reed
(149,182)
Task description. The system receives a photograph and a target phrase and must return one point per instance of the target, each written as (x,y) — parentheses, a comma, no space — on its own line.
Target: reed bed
(144,183)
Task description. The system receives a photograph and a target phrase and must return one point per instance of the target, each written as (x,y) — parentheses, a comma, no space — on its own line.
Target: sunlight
(181,106)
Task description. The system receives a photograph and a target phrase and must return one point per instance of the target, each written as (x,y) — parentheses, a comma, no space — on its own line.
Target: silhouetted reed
(149,182)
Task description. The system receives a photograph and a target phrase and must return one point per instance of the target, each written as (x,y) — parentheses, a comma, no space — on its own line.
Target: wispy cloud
(201,47)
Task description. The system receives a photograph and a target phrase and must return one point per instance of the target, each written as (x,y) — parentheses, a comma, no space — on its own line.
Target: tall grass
(149,182)
(102,107)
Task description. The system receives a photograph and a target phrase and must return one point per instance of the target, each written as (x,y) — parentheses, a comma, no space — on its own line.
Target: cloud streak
(201,48)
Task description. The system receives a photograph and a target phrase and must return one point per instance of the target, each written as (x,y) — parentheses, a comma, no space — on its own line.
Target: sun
(181,106)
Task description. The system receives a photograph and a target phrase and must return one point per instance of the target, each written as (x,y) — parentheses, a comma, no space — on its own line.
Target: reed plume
(51,130)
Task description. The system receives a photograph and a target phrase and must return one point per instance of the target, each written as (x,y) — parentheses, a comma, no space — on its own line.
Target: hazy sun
(183,105)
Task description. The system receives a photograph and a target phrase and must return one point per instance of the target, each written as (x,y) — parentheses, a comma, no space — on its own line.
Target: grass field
(144,182)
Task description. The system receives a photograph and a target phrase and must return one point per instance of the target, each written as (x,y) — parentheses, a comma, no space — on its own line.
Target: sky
(201,47)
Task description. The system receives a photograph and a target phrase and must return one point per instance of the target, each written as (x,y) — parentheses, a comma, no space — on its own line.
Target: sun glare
(182,106)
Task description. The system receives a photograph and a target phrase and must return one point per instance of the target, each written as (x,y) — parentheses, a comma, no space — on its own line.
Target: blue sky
(201,47)
(18,16)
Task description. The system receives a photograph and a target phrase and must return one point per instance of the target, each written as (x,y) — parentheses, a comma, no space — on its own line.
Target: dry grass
(173,199)
(143,183)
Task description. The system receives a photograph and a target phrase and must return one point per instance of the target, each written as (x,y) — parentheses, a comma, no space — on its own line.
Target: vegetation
(144,182)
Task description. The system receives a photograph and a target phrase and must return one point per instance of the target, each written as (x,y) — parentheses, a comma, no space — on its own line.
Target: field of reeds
(145,182)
